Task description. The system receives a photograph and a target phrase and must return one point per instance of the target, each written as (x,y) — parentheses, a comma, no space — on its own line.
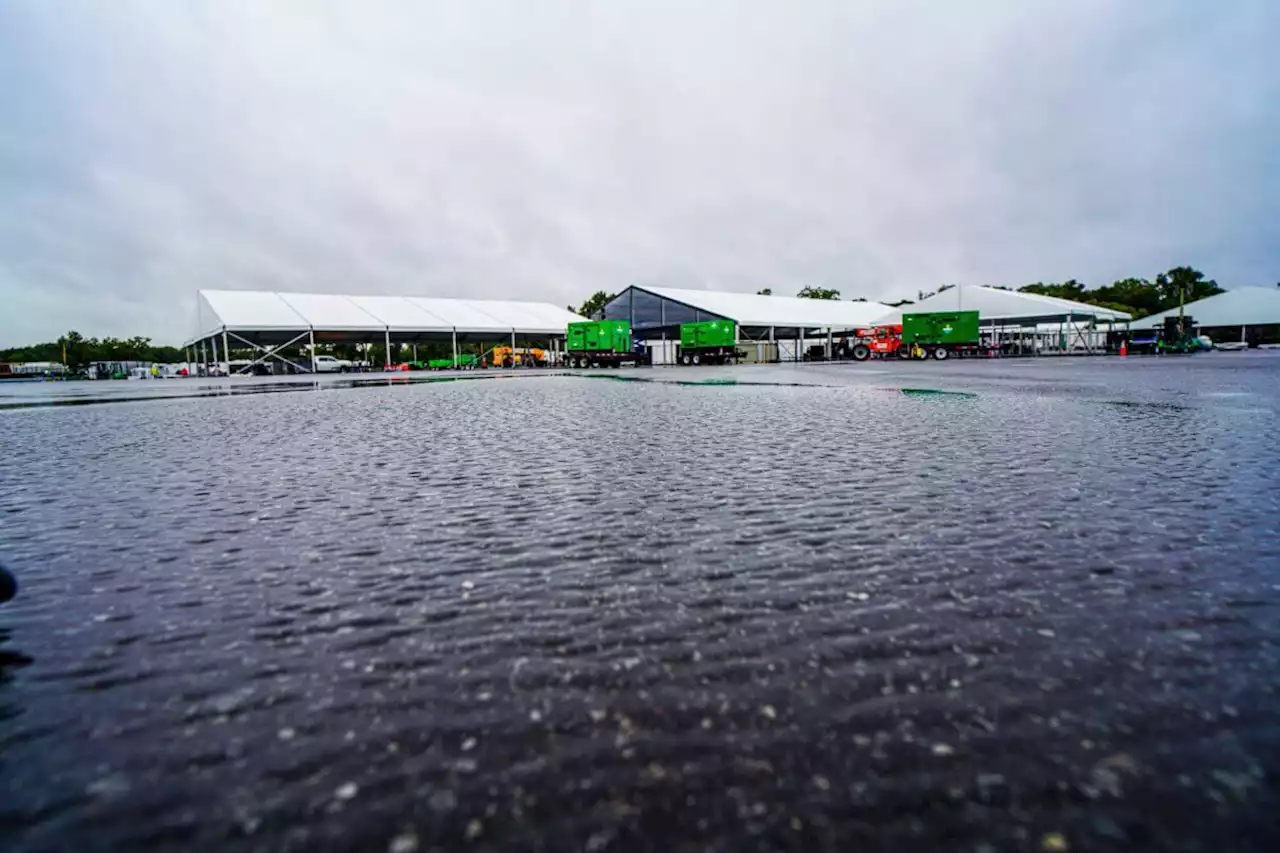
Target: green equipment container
(707,334)
(599,336)
(940,327)
(464,360)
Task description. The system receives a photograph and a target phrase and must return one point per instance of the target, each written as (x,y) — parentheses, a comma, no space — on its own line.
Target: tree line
(77,351)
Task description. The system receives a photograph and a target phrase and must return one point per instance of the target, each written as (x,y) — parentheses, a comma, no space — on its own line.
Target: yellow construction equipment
(518,357)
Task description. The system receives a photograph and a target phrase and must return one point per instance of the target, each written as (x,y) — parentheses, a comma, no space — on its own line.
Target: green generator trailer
(464,360)
(709,342)
(940,334)
(599,343)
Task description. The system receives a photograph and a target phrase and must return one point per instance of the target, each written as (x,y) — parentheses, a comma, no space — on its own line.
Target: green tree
(594,305)
(818,293)
(1069,289)
(1180,281)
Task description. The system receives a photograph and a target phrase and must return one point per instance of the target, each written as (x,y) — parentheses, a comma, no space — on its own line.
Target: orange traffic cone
(1124,348)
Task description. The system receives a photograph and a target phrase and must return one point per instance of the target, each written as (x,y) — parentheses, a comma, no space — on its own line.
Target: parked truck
(599,343)
(939,334)
(709,342)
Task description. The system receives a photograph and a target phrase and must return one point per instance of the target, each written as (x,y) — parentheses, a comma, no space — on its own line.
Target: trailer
(709,342)
(600,343)
(464,361)
(939,335)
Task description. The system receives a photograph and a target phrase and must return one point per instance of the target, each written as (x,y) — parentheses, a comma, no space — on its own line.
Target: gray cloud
(548,150)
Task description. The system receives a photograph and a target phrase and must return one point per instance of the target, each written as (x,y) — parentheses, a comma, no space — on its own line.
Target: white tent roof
(410,317)
(1241,306)
(326,311)
(262,311)
(749,309)
(992,303)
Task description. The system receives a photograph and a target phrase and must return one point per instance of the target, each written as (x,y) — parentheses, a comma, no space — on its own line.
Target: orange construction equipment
(882,341)
(520,357)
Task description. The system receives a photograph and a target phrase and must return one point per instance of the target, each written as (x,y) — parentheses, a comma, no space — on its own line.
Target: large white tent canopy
(253,311)
(749,309)
(1241,306)
(1007,306)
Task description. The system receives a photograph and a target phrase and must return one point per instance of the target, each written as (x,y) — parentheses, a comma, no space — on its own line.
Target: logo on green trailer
(946,330)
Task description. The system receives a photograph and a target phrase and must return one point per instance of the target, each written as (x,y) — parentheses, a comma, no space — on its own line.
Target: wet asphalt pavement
(761,608)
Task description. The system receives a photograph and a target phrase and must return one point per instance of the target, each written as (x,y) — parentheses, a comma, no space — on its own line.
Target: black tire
(697,359)
(595,363)
(904,351)
(941,354)
(686,359)
(861,352)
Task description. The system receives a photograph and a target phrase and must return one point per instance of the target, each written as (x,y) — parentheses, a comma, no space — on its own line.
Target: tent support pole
(311,340)
(513,348)
(226,350)
(213,342)
(415,351)
(271,352)
(455,349)
(386,337)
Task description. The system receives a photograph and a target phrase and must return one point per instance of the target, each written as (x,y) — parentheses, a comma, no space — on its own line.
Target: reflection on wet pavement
(811,609)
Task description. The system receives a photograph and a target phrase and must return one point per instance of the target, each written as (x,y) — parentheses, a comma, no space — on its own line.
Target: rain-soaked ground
(806,611)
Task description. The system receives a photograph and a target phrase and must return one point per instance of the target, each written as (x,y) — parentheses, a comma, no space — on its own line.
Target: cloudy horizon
(498,150)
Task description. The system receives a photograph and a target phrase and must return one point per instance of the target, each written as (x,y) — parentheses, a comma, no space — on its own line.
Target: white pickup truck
(329,364)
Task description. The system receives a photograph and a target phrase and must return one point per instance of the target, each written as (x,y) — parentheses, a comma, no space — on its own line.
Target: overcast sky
(546,150)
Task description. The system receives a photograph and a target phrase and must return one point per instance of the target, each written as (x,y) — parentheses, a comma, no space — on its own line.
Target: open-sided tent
(267,321)
(1237,308)
(1005,307)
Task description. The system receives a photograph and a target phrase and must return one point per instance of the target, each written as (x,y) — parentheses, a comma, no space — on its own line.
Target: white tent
(256,311)
(749,309)
(1241,306)
(1008,306)
(268,322)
